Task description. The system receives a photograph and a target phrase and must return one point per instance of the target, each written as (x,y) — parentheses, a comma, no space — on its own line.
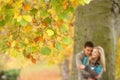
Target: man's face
(88,50)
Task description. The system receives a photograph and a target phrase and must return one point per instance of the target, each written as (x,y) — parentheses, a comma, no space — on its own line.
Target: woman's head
(95,53)
(98,53)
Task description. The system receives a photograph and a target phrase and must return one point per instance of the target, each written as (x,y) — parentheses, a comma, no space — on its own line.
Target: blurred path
(39,72)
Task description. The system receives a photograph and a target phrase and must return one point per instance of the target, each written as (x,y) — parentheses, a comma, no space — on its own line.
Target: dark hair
(88,44)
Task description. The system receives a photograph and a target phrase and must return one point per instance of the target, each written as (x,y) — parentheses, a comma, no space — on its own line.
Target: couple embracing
(90,62)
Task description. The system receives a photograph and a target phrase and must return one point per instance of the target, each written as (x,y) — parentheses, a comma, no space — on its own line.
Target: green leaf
(45,50)
(31,49)
(44,13)
(63,15)
(33,11)
(8,7)
(59,45)
(70,9)
(53,2)
(39,33)
(2,23)
(64,29)
(28,49)
(8,18)
(23,22)
(14,22)
(48,20)
(21,45)
(34,48)
(67,40)
(59,9)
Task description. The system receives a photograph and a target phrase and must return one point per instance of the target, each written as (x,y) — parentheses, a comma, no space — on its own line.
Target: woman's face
(95,53)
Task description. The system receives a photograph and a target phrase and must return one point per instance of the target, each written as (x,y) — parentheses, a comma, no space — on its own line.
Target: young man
(88,47)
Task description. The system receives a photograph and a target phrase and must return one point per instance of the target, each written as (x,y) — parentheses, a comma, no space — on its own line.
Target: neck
(95,59)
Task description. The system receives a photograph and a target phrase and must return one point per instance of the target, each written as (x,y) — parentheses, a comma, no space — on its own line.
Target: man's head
(88,47)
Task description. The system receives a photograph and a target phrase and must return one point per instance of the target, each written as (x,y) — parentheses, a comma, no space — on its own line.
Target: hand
(81,67)
(98,76)
(90,79)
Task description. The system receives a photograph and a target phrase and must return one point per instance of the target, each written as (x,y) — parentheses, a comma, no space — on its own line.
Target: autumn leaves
(37,27)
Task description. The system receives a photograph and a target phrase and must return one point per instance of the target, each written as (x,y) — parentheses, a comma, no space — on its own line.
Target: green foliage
(59,45)
(11,74)
(67,40)
(45,50)
(36,26)
(2,23)
(23,22)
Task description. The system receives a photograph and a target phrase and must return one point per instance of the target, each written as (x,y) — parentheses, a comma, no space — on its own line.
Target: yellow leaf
(50,32)
(72,0)
(17,4)
(42,3)
(26,40)
(27,18)
(6,1)
(52,11)
(55,17)
(28,28)
(19,18)
(13,43)
(11,37)
(87,1)
(75,3)
(82,2)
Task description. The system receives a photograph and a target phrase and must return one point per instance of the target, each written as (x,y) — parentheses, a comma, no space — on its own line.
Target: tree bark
(98,22)
(64,70)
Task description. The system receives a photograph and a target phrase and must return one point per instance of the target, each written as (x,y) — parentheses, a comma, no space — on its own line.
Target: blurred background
(37,39)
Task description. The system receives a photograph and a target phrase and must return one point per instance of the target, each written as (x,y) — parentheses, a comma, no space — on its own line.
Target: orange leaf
(36,39)
(44,23)
(65,5)
(1,17)
(33,60)
(9,43)
(28,56)
(60,22)
(0,37)
(54,42)
(27,7)
(34,21)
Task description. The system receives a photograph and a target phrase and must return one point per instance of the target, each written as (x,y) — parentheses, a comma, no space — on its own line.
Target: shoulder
(80,53)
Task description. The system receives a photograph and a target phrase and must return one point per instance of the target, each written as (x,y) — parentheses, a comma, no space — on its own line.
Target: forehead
(95,49)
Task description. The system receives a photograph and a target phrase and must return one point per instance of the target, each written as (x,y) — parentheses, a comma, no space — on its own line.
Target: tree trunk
(64,70)
(98,22)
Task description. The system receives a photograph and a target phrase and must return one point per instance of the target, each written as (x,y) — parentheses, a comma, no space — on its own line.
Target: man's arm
(79,58)
(92,72)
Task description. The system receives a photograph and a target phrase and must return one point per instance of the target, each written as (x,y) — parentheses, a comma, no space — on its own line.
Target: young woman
(95,65)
